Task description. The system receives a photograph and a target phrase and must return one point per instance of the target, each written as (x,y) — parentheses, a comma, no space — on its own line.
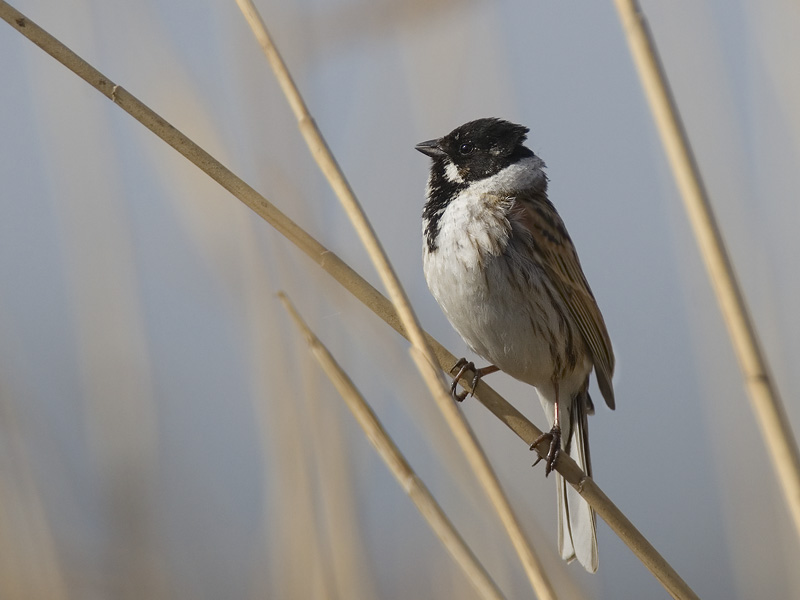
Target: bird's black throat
(442,191)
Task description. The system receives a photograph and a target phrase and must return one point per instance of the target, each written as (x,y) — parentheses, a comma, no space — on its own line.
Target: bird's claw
(463,366)
(554,435)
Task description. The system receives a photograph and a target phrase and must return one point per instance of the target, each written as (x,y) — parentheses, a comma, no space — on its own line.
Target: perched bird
(502,266)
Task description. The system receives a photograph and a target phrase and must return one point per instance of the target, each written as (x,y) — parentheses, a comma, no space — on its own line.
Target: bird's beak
(431,148)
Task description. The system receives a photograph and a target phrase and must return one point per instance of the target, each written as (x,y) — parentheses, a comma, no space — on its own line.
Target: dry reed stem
(438,387)
(764,396)
(396,462)
(352,282)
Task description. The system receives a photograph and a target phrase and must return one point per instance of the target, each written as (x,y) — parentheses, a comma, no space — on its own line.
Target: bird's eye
(466,149)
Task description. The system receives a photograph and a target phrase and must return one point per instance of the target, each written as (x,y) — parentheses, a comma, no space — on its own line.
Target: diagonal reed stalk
(763,392)
(351,281)
(428,367)
(391,455)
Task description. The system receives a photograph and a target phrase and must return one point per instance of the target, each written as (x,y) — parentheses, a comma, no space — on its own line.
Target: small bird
(503,268)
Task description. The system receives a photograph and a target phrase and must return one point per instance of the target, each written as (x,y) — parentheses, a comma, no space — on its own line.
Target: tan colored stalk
(761,388)
(397,464)
(351,281)
(438,386)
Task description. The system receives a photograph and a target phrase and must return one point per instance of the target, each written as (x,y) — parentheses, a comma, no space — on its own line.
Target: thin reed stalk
(394,459)
(351,281)
(438,387)
(763,392)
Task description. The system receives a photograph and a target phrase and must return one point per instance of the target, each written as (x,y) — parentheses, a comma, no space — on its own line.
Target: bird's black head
(478,149)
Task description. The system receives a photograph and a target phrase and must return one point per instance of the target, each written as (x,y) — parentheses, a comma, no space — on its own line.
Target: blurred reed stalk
(291,522)
(397,463)
(350,280)
(30,566)
(764,396)
(428,367)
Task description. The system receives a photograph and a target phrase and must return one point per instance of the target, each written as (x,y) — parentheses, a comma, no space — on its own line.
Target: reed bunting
(502,266)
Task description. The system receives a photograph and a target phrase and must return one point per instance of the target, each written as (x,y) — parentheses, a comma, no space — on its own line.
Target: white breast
(491,289)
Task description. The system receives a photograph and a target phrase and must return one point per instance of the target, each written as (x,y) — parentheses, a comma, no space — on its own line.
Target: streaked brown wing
(561,263)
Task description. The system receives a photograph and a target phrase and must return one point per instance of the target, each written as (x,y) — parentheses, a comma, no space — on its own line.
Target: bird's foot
(554,435)
(463,366)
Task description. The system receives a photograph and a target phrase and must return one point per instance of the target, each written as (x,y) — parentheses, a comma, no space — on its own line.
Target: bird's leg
(463,366)
(554,435)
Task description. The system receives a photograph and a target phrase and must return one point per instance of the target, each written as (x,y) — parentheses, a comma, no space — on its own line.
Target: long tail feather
(577,534)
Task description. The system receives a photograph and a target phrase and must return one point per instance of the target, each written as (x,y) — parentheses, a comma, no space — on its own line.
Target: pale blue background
(179,438)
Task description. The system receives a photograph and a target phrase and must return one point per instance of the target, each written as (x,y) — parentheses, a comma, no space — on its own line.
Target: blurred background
(164,431)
